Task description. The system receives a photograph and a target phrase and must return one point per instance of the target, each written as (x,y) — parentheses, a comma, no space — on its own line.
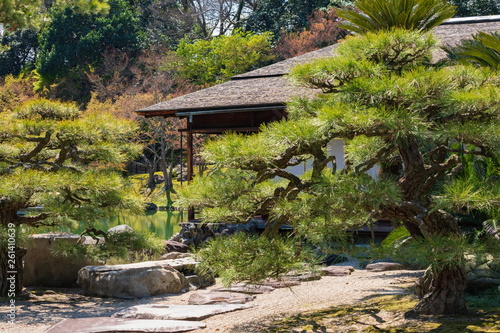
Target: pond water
(163,224)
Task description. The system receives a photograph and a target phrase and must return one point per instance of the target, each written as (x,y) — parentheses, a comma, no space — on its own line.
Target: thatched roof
(268,86)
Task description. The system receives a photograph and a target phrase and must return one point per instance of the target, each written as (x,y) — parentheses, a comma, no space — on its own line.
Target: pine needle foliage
(252,258)
(56,156)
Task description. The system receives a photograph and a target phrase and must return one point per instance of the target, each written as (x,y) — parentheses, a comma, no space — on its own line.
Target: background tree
(74,42)
(68,162)
(322,31)
(476,7)
(383,99)
(15,14)
(166,22)
(206,62)
(279,16)
(21,49)
(160,139)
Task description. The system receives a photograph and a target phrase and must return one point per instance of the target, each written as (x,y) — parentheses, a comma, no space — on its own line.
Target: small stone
(120,229)
(173,246)
(200,281)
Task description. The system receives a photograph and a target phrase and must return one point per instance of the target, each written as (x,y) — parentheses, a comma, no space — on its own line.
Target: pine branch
(42,143)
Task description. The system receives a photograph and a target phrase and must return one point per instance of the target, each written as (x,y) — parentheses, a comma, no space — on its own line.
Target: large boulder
(135,280)
(43,268)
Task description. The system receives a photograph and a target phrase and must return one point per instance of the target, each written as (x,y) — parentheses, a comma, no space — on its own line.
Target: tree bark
(442,291)
(11,272)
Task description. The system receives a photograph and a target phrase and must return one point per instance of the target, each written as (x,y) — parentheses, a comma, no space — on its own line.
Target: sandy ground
(47,307)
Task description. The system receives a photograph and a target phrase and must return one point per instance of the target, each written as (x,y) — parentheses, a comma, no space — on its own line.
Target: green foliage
(33,13)
(206,62)
(377,15)
(20,51)
(74,41)
(279,16)
(467,8)
(483,49)
(252,258)
(53,154)
(396,237)
(229,196)
(367,57)
(119,247)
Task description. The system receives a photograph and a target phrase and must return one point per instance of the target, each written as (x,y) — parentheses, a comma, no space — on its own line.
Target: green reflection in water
(161,223)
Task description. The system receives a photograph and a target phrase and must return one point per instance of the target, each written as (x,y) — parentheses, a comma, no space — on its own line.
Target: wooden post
(189,143)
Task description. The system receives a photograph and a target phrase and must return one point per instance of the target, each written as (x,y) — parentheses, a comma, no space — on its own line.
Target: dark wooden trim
(220,130)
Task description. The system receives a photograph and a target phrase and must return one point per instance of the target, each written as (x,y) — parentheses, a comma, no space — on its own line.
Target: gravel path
(45,308)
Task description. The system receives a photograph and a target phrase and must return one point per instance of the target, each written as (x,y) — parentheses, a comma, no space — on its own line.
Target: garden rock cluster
(483,272)
(195,233)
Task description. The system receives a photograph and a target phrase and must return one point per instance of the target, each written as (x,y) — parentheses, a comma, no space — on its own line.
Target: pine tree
(63,161)
(392,108)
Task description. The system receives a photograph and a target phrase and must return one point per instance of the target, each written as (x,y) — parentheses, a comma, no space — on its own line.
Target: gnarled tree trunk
(441,291)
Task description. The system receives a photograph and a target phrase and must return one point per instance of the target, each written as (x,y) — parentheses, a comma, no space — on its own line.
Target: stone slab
(337,270)
(219,297)
(384,266)
(280,283)
(247,289)
(178,312)
(113,325)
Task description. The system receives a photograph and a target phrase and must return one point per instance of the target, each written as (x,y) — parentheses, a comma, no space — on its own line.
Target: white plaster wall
(334,148)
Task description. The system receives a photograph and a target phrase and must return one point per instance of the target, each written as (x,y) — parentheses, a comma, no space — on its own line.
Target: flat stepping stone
(178,312)
(280,283)
(337,270)
(214,297)
(247,289)
(113,325)
(384,266)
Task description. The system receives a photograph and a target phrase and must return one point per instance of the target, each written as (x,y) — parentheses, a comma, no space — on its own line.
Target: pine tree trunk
(442,291)
(11,272)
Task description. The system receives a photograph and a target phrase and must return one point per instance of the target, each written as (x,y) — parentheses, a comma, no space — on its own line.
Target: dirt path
(47,307)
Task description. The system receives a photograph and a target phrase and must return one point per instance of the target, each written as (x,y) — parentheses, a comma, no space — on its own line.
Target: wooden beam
(221,130)
(189,144)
